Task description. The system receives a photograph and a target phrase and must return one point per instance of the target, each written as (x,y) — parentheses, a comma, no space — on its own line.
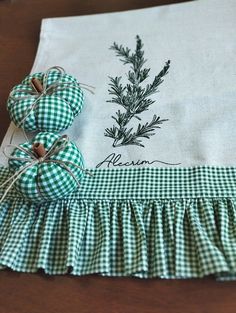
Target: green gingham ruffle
(54,112)
(142,222)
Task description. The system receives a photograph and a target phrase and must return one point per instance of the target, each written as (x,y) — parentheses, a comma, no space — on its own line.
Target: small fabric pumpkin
(47,168)
(46,101)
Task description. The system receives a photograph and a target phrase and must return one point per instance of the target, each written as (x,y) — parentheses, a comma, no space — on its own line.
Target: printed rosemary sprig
(133,97)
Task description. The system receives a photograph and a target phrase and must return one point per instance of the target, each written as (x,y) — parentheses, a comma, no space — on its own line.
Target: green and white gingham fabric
(142,222)
(47,181)
(53,112)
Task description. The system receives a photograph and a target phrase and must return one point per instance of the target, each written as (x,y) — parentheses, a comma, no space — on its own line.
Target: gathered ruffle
(183,237)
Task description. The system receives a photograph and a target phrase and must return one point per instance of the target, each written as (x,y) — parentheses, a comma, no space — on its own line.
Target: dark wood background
(37,293)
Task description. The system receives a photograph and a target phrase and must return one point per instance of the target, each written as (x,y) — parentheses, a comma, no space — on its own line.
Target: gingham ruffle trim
(142,222)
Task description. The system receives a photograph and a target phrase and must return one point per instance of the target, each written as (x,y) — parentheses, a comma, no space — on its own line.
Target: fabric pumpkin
(53,177)
(53,109)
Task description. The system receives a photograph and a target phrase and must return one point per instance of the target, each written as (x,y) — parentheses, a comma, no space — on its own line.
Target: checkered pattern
(155,222)
(54,112)
(47,181)
(161,183)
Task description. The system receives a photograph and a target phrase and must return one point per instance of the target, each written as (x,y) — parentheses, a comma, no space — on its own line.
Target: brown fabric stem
(37,85)
(39,149)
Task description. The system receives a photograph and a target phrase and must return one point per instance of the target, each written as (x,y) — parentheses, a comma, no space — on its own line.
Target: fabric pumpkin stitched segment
(54,111)
(51,179)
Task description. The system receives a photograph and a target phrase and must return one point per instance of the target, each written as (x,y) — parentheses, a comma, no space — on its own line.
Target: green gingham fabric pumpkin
(51,178)
(53,109)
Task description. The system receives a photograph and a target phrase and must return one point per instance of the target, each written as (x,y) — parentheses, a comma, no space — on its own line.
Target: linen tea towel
(158,137)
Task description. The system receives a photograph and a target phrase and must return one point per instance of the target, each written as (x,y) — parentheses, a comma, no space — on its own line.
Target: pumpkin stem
(37,85)
(39,149)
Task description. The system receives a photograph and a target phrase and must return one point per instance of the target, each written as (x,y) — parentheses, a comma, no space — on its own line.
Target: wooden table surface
(36,293)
